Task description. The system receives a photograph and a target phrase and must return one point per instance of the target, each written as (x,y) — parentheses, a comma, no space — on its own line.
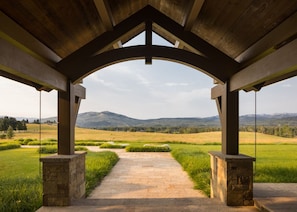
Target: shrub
(9,145)
(54,149)
(112,145)
(10,132)
(52,139)
(47,149)
(99,141)
(80,148)
(2,136)
(88,143)
(45,143)
(149,148)
(25,141)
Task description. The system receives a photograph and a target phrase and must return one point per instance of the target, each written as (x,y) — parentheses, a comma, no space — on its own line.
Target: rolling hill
(99,120)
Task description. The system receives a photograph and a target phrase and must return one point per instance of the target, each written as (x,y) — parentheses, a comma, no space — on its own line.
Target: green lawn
(21,184)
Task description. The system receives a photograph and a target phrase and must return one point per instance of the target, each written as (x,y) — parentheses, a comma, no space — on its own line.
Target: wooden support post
(228,107)
(65,121)
(68,105)
(231,172)
(148,40)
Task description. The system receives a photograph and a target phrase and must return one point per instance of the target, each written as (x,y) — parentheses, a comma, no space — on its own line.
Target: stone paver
(146,175)
(277,197)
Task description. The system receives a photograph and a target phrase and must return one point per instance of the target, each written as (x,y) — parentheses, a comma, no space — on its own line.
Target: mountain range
(99,120)
(105,119)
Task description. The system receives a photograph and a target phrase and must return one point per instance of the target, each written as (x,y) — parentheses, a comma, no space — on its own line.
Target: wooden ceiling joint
(105,14)
(192,14)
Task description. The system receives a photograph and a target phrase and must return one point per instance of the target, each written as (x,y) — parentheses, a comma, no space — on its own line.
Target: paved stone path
(142,182)
(146,175)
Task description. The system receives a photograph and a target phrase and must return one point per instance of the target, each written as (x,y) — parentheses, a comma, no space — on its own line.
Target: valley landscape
(20,171)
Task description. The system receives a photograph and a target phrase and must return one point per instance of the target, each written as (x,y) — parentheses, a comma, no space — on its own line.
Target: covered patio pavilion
(242,45)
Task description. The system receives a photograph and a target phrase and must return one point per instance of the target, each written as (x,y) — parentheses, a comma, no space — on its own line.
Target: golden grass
(50,132)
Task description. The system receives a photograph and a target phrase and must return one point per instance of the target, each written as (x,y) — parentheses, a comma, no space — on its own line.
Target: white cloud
(172,84)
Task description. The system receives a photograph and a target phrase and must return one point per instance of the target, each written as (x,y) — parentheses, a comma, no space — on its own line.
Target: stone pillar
(63,179)
(232,178)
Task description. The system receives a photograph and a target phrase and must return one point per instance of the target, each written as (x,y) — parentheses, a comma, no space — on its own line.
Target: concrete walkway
(277,197)
(147,182)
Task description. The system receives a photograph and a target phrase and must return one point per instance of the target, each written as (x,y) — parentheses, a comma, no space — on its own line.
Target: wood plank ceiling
(231,26)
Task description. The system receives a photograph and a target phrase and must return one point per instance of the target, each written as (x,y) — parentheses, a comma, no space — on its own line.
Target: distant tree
(36,121)
(10,132)
(21,125)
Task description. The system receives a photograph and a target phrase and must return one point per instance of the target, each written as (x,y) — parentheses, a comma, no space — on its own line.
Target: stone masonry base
(63,179)
(232,179)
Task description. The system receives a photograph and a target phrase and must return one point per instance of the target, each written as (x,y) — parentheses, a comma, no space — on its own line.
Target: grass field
(50,132)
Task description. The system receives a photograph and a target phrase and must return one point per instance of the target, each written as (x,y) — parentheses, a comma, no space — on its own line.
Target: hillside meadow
(49,131)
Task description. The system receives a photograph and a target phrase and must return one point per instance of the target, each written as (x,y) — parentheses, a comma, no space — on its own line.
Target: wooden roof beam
(277,66)
(193,12)
(15,34)
(23,81)
(71,62)
(228,65)
(24,66)
(178,44)
(148,40)
(270,42)
(70,65)
(105,14)
(104,59)
(117,45)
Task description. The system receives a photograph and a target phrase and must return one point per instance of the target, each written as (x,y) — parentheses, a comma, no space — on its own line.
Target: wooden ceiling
(245,31)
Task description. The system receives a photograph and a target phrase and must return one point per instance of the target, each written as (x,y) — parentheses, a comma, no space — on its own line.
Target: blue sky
(163,89)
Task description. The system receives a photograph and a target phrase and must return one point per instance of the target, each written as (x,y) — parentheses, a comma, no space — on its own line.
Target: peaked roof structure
(249,43)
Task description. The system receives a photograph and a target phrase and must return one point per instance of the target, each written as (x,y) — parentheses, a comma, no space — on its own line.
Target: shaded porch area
(156,182)
(147,182)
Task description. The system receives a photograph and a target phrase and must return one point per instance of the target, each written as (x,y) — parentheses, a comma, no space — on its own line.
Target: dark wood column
(228,107)
(68,105)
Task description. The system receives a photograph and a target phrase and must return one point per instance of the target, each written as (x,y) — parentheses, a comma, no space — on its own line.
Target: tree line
(281,130)
(6,121)
(164,129)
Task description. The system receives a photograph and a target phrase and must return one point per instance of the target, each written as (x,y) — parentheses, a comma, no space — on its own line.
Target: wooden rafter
(105,14)
(267,44)
(271,68)
(226,66)
(193,14)
(110,37)
(117,45)
(15,34)
(23,65)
